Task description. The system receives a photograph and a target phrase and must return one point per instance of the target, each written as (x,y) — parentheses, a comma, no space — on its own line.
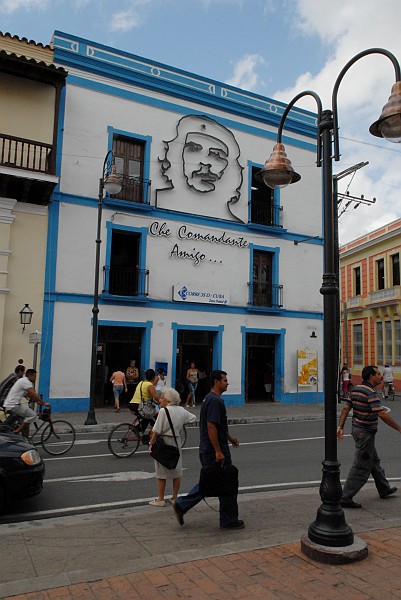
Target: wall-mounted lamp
(26,316)
(313,335)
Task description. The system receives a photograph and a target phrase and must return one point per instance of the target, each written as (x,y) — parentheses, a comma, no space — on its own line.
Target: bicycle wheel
(123,440)
(58,437)
(391,393)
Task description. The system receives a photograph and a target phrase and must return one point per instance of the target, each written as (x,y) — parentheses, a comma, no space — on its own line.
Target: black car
(21,469)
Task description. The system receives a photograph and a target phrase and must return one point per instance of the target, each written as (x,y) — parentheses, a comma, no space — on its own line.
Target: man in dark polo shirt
(366,409)
(213,446)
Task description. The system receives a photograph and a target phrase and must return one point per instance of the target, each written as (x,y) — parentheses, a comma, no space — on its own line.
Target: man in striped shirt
(366,410)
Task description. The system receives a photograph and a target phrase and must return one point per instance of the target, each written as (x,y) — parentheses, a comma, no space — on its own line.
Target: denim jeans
(228,504)
(366,462)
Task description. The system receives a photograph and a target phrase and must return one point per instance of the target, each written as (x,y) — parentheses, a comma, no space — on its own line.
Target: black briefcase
(217,480)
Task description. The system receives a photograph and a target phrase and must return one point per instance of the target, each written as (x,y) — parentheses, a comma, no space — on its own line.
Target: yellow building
(31,89)
(371,300)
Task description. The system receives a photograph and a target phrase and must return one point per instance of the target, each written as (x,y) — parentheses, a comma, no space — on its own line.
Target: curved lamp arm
(339,80)
(289,107)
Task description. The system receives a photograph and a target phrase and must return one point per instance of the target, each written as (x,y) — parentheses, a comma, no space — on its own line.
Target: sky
(276,48)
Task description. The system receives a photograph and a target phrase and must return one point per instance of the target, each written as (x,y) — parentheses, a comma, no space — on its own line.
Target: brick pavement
(279,572)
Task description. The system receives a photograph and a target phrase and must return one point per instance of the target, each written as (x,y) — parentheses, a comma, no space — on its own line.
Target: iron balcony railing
(266,213)
(134,189)
(269,295)
(21,153)
(121,281)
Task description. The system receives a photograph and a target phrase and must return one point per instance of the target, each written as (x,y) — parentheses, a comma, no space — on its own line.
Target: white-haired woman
(179,416)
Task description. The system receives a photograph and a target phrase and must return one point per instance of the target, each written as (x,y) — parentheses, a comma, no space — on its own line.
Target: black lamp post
(111,183)
(330,528)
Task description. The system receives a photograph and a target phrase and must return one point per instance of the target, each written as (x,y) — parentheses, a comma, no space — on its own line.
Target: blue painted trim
(170,305)
(183,110)
(275,272)
(46,347)
(279,355)
(170,215)
(217,343)
(69,405)
(122,66)
(302,398)
(142,233)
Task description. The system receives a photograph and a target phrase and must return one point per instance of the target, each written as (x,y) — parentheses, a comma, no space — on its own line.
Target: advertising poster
(307,367)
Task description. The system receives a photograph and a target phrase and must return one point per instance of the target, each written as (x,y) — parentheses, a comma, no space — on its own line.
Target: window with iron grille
(129,160)
(380,274)
(264,208)
(379,343)
(389,342)
(264,289)
(124,274)
(358,344)
(397,342)
(395,267)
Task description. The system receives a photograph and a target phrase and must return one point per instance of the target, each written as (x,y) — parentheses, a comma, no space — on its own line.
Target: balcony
(387,296)
(27,169)
(264,296)
(134,189)
(121,281)
(265,213)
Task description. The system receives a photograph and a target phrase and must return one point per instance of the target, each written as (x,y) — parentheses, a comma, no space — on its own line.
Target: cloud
(10,6)
(245,75)
(133,17)
(345,29)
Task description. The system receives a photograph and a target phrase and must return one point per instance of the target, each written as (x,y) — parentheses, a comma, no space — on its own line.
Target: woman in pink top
(119,384)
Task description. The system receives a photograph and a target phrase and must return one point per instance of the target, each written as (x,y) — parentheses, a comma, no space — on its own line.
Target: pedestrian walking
(170,398)
(388,380)
(213,447)
(132,378)
(192,380)
(119,385)
(366,410)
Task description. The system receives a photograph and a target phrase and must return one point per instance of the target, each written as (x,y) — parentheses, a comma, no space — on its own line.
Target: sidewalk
(142,552)
(261,412)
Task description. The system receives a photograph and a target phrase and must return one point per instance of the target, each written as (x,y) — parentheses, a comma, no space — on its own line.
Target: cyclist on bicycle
(145,390)
(23,387)
(388,379)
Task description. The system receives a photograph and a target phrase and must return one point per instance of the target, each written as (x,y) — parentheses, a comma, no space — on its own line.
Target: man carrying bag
(213,448)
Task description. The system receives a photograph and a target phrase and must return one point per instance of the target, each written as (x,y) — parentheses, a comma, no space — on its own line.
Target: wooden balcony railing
(21,153)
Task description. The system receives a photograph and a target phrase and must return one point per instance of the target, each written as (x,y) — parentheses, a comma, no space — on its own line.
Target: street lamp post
(330,528)
(111,183)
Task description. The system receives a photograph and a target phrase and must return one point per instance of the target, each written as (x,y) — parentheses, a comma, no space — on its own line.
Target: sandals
(157,502)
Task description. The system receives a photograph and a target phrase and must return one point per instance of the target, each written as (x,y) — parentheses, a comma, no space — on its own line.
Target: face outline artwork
(203,158)
(204,161)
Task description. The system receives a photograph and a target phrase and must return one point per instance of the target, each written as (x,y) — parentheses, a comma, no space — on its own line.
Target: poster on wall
(307,367)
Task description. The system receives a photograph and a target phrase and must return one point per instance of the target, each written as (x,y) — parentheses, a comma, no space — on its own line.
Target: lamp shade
(113,182)
(278,171)
(26,315)
(388,125)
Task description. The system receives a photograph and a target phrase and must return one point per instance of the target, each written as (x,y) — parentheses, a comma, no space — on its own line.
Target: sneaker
(348,503)
(388,493)
(157,502)
(178,513)
(236,525)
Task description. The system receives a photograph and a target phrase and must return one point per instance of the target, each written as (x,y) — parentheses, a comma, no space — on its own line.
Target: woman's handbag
(146,408)
(165,454)
(218,480)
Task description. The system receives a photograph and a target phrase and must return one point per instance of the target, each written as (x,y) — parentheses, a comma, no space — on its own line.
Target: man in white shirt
(388,378)
(23,387)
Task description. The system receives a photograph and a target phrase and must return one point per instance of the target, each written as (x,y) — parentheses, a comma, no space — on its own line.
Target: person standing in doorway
(192,380)
(132,378)
(213,447)
(366,410)
(119,385)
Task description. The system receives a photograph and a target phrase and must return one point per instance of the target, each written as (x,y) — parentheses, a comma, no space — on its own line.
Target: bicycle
(124,439)
(388,390)
(56,438)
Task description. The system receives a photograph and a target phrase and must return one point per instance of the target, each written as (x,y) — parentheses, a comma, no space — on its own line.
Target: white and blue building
(199,261)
